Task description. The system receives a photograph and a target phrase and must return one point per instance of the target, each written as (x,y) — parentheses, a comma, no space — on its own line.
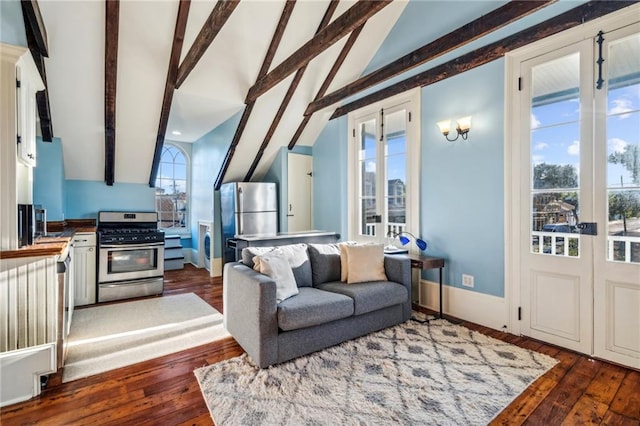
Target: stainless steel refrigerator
(247,208)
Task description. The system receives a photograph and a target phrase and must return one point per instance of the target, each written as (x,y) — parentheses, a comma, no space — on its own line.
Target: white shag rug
(434,373)
(104,338)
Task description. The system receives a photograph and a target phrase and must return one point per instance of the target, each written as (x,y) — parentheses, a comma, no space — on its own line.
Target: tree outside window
(171,189)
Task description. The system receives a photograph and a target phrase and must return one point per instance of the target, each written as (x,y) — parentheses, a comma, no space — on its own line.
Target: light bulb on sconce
(462,128)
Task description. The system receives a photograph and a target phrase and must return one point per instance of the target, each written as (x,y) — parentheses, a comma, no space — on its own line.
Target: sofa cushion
(325,263)
(365,262)
(313,307)
(370,296)
(343,259)
(276,266)
(296,254)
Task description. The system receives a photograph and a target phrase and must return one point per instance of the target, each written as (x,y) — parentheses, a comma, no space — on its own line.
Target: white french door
(579,186)
(617,183)
(383,171)
(556,274)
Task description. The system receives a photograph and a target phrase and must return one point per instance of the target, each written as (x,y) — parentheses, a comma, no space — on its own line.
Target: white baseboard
(483,309)
(215,269)
(186,252)
(20,372)
(193,257)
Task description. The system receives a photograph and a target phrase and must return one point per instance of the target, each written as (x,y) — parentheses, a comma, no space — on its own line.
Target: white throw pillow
(365,263)
(276,266)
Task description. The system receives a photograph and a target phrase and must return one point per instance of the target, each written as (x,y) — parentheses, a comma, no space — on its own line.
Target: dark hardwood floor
(164,391)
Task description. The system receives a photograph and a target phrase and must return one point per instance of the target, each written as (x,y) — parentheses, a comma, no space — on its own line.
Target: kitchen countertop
(283,235)
(53,245)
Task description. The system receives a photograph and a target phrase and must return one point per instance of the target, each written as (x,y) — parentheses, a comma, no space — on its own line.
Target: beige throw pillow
(276,266)
(344,272)
(364,263)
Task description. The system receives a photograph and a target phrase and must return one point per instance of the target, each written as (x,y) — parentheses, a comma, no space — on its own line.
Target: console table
(427,262)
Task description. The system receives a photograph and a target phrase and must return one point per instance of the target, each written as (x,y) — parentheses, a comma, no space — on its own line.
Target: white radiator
(28,303)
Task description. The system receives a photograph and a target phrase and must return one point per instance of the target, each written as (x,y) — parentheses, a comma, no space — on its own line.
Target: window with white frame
(384,158)
(171,185)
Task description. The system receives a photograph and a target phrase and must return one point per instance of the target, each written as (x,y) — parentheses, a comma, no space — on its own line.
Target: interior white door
(556,261)
(617,183)
(299,192)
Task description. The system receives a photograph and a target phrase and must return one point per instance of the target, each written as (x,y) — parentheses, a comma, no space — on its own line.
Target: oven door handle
(130,246)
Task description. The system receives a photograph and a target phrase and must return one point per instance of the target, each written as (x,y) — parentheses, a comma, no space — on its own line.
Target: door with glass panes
(580,196)
(382,163)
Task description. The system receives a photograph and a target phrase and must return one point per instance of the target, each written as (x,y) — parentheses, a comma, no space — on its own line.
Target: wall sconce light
(463,127)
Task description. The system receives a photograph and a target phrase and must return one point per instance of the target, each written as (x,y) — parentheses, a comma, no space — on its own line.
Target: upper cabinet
(28,82)
(17,119)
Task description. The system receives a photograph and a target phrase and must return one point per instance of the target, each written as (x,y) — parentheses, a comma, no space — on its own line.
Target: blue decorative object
(404,239)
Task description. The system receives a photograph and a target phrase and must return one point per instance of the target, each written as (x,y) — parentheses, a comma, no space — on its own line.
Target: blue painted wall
(461,188)
(207,155)
(330,178)
(48,178)
(85,198)
(11,23)
(462,183)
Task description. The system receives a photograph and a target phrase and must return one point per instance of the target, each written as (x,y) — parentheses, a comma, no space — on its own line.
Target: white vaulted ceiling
(213,92)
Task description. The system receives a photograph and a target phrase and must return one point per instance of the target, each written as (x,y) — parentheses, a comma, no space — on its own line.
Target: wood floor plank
(604,386)
(627,399)
(566,394)
(518,411)
(613,419)
(165,391)
(586,411)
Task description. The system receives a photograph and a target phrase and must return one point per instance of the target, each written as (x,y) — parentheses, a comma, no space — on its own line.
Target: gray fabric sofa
(324,313)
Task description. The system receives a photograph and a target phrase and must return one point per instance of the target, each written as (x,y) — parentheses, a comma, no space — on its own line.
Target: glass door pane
(623,150)
(368,176)
(395,157)
(555,157)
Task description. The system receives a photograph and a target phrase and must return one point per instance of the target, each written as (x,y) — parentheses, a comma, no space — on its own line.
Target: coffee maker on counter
(26,224)
(32,223)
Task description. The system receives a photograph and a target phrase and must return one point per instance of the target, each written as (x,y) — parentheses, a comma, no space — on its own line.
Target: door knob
(588,228)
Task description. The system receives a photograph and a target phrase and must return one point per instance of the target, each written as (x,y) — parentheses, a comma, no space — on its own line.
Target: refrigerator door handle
(241,210)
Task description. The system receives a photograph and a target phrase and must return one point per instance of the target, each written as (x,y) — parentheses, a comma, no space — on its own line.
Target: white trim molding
(480,308)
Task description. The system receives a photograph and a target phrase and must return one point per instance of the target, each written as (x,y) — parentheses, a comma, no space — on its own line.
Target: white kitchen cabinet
(84,267)
(27,84)
(16,171)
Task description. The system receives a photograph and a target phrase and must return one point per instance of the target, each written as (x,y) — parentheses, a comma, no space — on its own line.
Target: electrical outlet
(467,280)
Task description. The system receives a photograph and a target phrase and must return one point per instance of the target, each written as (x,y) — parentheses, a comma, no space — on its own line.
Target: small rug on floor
(107,337)
(413,373)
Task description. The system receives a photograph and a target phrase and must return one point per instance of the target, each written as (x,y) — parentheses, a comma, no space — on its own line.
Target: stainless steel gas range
(131,255)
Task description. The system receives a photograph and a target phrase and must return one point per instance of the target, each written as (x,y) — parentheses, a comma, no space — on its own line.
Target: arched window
(172,189)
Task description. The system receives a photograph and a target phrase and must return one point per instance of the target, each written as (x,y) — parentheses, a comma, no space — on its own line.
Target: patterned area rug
(414,373)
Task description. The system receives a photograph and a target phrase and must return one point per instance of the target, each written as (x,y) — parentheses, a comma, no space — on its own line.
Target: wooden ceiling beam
(465,34)
(218,17)
(110,80)
(355,16)
(170,85)
(333,5)
(33,20)
(574,17)
(325,85)
(37,42)
(266,63)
